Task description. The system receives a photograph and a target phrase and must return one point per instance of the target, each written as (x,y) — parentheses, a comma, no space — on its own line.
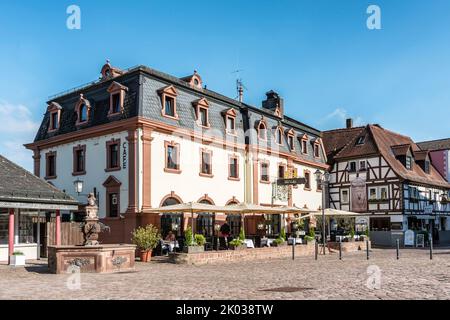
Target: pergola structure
(23,196)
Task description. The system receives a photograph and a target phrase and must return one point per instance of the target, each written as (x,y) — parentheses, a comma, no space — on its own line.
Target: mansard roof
(143,99)
(379,141)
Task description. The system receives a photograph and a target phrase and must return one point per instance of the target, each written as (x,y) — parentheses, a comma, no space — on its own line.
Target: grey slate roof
(435,145)
(19,185)
(142,99)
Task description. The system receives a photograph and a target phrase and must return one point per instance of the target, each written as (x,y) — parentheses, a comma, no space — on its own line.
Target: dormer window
(194,80)
(262,131)
(304,143)
(54,123)
(169,102)
(201,111)
(230,121)
(361,140)
(427,167)
(117,98)
(82,109)
(409,163)
(290,139)
(54,109)
(279,136)
(316,150)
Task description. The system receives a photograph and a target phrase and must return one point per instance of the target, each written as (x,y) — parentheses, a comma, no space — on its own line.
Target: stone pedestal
(93,259)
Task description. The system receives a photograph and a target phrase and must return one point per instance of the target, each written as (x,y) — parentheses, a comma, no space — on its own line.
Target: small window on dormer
(279,136)
(83,113)
(305,146)
(54,124)
(117,98)
(291,142)
(316,150)
(427,167)
(201,111)
(262,131)
(231,124)
(116,103)
(203,117)
(169,102)
(54,110)
(408,163)
(169,107)
(361,140)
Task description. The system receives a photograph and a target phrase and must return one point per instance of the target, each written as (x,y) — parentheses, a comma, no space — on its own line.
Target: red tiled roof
(385,143)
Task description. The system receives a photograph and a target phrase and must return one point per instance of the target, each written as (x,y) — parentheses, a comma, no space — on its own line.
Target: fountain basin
(108,258)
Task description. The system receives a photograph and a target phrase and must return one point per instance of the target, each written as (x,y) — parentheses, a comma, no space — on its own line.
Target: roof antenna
(239,86)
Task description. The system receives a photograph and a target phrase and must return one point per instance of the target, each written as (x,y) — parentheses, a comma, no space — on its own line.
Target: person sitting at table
(170,236)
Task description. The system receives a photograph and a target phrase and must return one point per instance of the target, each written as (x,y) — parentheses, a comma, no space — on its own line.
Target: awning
(242,208)
(333,213)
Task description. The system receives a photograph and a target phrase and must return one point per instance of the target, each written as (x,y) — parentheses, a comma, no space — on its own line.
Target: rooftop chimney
(349,123)
(273,102)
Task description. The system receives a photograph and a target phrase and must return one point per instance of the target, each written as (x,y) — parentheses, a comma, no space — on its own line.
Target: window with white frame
(345,196)
(373,194)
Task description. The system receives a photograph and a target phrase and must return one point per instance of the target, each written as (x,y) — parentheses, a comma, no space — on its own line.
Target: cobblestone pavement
(414,276)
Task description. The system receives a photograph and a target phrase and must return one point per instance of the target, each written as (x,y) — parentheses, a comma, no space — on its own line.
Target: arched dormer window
(194,80)
(117,98)
(201,112)
(54,110)
(279,136)
(290,137)
(262,130)
(83,109)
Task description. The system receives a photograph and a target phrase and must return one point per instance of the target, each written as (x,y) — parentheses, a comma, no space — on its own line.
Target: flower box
(17,260)
(240,247)
(193,249)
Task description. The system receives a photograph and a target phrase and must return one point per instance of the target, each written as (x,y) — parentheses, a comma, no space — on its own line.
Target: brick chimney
(273,101)
(349,123)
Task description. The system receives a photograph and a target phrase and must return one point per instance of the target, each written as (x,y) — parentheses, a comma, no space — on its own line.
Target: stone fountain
(91,256)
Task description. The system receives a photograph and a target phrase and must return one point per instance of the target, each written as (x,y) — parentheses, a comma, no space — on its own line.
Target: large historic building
(141,139)
(389,180)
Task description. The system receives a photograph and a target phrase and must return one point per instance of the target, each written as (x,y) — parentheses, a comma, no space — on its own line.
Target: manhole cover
(288,289)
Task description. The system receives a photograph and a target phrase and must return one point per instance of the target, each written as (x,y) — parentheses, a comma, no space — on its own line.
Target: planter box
(193,249)
(241,247)
(274,244)
(17,261)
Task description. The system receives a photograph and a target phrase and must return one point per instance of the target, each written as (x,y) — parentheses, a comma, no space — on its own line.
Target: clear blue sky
(319,55)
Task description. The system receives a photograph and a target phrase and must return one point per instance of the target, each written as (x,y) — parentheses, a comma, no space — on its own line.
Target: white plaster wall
(95,169)
(189,185)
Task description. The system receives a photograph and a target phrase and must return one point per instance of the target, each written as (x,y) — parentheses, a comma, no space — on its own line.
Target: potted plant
(17,259)
(146,239)
(237,244)
(278,242)
(309,239)
(190,243)
(200,239)
(351,234)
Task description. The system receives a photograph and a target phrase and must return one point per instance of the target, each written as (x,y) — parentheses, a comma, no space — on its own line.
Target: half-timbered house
(389,181)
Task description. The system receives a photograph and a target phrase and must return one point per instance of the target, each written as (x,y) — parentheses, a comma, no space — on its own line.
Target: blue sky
(319,55)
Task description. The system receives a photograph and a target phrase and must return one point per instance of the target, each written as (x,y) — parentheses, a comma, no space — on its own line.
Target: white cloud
(18,127)
(337,119)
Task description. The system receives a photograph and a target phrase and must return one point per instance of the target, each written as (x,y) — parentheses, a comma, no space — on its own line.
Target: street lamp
(79,184)
(323,180)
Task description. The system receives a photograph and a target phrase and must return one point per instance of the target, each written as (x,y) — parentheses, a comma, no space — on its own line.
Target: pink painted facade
(440,160)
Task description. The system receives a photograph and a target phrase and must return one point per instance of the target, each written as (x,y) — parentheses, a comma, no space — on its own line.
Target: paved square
(414,276)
